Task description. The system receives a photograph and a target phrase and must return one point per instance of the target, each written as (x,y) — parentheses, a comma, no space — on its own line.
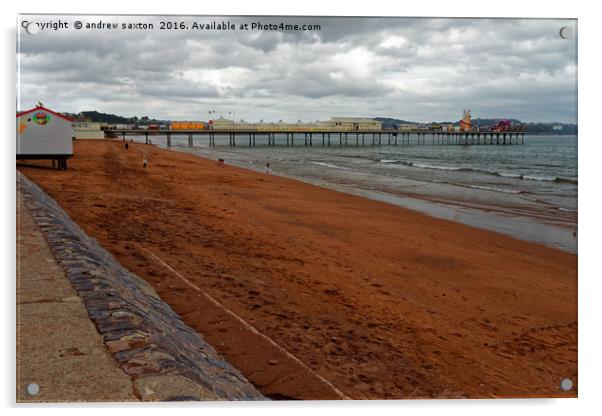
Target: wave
(389,161)
(503,174)
(508,174)
(557,179)
(566,180)
(540,178)
(425,166)
(567,209)
(494,189)
(483,187)
(328,165)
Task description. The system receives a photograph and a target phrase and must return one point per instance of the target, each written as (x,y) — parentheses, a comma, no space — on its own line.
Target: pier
(309,138)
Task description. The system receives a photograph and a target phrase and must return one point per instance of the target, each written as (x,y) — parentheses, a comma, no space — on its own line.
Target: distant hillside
(96,117)
(543,128)
(391,123)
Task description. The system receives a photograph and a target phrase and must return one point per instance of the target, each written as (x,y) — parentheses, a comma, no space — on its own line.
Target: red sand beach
(316,294)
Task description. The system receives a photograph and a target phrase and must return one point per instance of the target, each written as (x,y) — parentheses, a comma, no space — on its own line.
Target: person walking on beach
(126,146)
(144,163)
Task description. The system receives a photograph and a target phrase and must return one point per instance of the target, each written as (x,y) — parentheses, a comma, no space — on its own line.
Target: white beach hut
(44,134)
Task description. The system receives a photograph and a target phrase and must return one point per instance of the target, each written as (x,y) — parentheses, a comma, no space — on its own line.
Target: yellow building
(187,125)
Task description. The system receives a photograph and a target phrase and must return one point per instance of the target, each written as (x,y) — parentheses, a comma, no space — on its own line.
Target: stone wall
(166,359)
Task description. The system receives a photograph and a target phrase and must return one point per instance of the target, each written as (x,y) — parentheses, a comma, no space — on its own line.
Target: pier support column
(323,142)
(168,139)
(328,139)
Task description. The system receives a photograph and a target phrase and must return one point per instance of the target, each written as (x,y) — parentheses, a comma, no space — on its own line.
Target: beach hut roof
(22,113)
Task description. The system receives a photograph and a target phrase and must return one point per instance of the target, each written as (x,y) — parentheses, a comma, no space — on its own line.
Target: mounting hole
(566,32)
(32,28)
(566,384)
(33,389)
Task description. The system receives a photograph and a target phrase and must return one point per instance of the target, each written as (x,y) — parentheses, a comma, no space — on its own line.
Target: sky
(417,69)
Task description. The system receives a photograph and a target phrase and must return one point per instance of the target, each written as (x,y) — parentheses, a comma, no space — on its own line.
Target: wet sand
(317,294)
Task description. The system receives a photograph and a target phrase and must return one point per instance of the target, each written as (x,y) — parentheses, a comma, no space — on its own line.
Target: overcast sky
(407,68)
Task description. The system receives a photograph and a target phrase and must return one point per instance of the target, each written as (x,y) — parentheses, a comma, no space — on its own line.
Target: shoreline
(381,301)
(552,233)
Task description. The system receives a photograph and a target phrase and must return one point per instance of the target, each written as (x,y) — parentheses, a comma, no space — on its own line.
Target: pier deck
(334,138)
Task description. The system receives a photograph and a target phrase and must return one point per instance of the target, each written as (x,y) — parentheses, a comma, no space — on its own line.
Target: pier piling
(405,138)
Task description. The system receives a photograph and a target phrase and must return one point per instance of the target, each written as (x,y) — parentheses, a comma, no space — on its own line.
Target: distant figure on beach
(220,162)
(267,167)
(150,141)
(126,146)
(144,163)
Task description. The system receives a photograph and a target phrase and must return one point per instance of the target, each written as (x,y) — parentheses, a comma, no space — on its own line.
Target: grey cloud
(419,69)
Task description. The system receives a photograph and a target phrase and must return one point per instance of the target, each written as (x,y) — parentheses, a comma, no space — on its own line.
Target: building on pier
(187,125)
(89,130)
(334,124)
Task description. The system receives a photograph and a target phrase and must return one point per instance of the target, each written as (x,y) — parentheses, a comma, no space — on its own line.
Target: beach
(317,294)
(527,191)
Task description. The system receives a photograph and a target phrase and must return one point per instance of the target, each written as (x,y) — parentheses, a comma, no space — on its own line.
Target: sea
(528,191)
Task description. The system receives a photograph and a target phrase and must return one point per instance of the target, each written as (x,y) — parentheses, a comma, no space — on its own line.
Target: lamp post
(212,117)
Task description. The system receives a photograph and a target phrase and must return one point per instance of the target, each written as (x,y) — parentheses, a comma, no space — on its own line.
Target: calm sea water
(535,182)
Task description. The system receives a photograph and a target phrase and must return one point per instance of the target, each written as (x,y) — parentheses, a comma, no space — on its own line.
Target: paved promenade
(58,347)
